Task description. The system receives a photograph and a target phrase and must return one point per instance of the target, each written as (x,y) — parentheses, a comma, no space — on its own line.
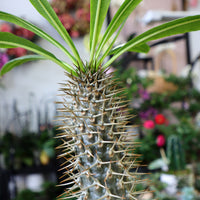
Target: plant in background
(28,149)
(154,133)
(175,153)
(74,15)
(48,192)
(11,53)
(94,123)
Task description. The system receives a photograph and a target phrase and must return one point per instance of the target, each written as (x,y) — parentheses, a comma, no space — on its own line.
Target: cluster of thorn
(97,149)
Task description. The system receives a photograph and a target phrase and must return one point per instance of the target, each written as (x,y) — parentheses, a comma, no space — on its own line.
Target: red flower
(149,124)
(160,141)
(160,119)
(17,52)
(22,32)
(71,3)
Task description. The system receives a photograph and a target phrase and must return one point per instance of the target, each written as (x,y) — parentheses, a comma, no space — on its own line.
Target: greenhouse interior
(121,123)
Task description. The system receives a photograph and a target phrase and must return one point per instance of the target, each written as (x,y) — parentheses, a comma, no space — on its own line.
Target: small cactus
(175,153)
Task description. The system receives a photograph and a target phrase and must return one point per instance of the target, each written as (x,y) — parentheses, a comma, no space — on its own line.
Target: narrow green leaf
(110,46)
(6,46)
(179,26)
(27,25)
(9,40)
(98,11)
(144,48)
(121,15)
(19,61)
(45,9)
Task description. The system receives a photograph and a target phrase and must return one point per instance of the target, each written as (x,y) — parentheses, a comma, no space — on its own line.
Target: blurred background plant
(49,192)
(168,128)
(7,54)
(74,15)
(28,149)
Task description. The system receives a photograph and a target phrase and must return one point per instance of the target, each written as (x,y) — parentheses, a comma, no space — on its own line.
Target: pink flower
(80,13)
(67,21)
(5,27)
(144,94)
(74,33)
(83,14)
(149,124)
(3,59)
(160,141)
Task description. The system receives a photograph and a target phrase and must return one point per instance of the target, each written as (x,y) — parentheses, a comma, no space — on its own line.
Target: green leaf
(45,9)
(144,48)
(98,11)
(110,46)
(9,40)
(121,15)
(19,61)
(179,26)
(27,25)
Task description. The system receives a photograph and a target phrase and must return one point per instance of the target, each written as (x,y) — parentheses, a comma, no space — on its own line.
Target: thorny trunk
(98,149)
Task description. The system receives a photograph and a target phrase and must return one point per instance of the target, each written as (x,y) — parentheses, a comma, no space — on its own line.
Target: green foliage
(26,194)
(20,151)
(49,191)
(9,40)
(19,61)
(98,10)
(186,99)
(197,184)
(120,16)
(131,82)
(98,13)
(148,149)
(29,26)
(44,8)
(170,28)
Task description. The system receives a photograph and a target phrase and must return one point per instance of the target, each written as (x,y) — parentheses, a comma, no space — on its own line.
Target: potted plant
(94,122)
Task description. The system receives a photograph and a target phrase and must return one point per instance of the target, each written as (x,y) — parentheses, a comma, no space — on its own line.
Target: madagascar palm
(96,144)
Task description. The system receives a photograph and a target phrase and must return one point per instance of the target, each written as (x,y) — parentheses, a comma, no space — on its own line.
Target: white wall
(40,78)
(195,37)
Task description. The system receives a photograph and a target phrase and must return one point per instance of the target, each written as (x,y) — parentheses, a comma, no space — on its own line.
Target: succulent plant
(96,144)
(175,153)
